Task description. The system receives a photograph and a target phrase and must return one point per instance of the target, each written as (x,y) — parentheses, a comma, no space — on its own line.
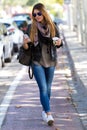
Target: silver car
(16,35)
(2,59)
(8,45)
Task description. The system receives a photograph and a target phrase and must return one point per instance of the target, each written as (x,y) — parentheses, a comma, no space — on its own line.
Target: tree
(15,2)
(31,2)
(60,2)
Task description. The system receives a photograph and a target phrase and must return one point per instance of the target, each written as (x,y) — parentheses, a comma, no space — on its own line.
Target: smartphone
(26,36)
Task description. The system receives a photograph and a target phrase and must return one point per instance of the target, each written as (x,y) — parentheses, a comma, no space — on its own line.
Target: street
(7,75)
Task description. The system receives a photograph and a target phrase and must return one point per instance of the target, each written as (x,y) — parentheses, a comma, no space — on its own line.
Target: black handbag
(25,58)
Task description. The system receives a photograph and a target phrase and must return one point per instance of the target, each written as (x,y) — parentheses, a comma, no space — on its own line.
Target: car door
(2,59)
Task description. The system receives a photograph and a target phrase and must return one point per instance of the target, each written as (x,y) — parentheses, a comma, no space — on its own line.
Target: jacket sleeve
(58,35)
(57,31)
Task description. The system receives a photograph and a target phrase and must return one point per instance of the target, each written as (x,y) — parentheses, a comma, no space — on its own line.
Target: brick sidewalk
(24,112)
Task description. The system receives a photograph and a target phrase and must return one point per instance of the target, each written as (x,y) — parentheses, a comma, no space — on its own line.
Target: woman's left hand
(58,42)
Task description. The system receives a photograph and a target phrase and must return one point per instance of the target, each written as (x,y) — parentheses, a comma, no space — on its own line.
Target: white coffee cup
(55,38)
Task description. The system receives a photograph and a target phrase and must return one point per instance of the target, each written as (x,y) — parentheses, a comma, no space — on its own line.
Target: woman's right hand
(26,40)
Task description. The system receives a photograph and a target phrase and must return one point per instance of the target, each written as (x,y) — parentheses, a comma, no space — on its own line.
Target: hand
(26,39)
(58,42)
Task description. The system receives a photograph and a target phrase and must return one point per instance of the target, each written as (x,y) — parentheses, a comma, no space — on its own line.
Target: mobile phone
(26,36)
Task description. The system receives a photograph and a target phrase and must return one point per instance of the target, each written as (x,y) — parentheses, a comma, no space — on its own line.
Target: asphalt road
(7,75)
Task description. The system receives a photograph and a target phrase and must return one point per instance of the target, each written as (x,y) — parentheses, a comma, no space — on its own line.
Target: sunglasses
(35,14)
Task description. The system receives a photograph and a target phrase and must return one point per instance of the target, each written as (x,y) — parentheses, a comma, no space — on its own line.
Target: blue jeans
(44,78)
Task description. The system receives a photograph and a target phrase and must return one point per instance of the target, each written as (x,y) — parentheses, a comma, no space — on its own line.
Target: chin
(39,21)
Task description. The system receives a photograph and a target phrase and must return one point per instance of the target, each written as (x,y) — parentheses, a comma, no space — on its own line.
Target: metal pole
(78,15)
(74,13)
(85,21)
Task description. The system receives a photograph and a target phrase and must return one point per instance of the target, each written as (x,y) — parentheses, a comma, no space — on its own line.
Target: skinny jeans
(44,78)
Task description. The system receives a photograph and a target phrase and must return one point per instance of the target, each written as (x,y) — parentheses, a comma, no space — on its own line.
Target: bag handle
(30,72)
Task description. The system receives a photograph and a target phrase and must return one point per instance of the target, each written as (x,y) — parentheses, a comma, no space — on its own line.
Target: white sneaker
(44,116)
(50,120)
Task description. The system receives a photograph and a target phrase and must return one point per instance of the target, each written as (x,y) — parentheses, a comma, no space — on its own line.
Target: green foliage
(60,2)
(15,2)
(51,5)
(31,2)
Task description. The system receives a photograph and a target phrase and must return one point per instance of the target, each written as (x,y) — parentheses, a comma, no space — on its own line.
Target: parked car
(17,39)
(22,22)
(25,15)
(2,60)
(8,46)
(16,35)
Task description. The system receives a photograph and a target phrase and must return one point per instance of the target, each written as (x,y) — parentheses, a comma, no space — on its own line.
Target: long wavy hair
(47,20)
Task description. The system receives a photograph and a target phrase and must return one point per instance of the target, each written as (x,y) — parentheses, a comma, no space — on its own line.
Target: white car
(16,35)
(22,23)
(20,19)
(17,39)
(8,45)
(2,59)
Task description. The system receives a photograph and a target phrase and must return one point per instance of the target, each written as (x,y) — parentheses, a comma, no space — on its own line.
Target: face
(38,15)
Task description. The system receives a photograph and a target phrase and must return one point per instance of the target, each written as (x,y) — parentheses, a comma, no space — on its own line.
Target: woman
(44,56)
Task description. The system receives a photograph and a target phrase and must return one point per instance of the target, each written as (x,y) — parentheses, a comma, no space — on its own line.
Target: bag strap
(30,72)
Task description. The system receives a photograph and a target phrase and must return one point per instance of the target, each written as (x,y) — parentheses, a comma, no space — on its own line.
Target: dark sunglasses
(35,14)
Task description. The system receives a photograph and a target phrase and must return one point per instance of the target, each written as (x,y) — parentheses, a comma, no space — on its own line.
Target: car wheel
(2,62)
(8,60)
(15,48)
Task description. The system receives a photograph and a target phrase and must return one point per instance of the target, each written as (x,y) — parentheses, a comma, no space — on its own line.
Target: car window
(7,25)
(23,15)
(3,29)
(20,23)
(14,24)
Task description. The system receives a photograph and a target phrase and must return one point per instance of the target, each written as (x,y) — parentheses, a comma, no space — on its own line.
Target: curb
(76,84)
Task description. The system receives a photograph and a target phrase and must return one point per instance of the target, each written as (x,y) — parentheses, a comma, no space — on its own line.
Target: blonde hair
(47,19)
